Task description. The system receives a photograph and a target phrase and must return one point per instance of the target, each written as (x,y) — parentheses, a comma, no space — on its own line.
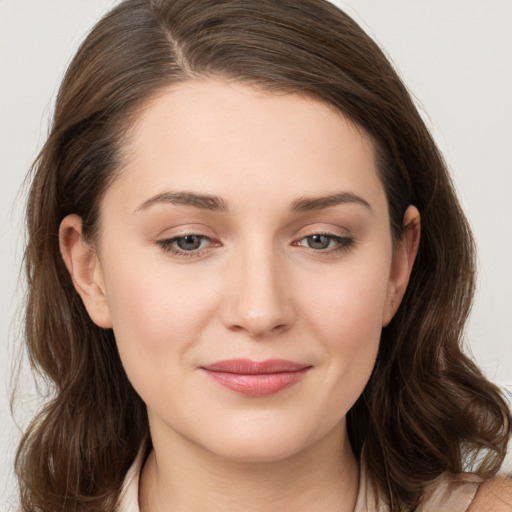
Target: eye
(325,242)
(186,245)
(319,241)
(189,242)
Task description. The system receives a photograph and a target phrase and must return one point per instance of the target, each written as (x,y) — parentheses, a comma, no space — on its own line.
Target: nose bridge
(259,299)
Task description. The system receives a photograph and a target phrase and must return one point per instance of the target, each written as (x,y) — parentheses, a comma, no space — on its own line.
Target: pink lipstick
(256,378)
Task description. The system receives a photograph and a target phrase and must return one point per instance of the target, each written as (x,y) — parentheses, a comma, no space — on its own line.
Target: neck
(323,476)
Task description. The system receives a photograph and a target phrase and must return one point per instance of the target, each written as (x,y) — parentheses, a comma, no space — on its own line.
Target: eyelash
(344,243)
(168,246)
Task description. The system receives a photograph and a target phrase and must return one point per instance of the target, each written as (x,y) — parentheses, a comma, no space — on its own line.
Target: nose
(259,294)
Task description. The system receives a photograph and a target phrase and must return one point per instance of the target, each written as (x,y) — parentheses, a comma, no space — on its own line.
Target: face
(246,266)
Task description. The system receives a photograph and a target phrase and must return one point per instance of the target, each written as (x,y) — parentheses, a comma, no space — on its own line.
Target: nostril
(257,299)
(259,331)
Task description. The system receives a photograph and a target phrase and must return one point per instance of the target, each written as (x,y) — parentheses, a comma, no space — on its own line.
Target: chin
(264,445)
(258,450)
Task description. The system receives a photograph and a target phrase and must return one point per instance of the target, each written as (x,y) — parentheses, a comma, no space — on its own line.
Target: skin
(495,495)
(256,288)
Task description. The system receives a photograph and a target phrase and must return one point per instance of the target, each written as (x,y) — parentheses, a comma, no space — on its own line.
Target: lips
(256,378)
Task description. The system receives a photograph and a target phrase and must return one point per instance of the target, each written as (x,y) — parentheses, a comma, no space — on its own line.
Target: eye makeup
(190,245)
(195,245)
(325,242)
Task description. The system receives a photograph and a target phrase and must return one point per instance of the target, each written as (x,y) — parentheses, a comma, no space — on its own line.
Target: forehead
(222,138)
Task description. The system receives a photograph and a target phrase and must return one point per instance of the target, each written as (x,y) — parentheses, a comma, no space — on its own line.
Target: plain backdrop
(455,57)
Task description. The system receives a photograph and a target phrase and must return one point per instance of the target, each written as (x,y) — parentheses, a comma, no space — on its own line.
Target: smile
(253,378)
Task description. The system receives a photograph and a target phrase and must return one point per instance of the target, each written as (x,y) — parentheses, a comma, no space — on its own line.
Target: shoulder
(451,493)
(493,495)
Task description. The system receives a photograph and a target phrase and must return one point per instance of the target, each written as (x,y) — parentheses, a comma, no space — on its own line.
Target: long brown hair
(427,408)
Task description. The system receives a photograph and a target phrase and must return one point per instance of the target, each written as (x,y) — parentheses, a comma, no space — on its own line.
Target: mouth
(256,378)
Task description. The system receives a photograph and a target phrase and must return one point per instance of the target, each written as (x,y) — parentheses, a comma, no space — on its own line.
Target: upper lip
(249,367)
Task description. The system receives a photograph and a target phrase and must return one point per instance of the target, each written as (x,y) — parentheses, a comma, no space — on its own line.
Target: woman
(248,277)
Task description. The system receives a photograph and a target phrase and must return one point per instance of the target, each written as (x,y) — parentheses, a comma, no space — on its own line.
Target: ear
(84,267)
(401,266)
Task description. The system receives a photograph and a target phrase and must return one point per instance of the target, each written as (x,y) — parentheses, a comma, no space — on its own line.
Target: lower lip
(263,384)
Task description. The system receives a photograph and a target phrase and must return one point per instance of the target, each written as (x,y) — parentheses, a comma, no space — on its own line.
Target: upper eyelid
(331,230)
(184,235)
(324,227)
(324,232)
(171,239)
(335,233)
(184,230)
(297,237)
(329,235)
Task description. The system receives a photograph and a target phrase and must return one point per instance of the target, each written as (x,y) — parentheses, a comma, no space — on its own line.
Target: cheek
(346,315)
(157,315)
(351,301)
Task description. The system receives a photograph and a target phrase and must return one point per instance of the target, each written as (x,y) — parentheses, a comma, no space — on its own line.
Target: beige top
(453,493)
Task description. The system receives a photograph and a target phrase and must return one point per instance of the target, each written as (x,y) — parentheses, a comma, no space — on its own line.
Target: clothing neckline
(449,493)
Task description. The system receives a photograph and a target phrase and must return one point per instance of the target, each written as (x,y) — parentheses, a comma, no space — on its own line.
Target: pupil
(318,241)
(189,242)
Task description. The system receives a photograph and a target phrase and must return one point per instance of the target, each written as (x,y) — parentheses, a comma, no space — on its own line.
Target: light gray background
(455,56)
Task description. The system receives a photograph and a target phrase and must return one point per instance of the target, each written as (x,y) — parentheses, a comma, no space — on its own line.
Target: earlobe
(402,263)
(85,270)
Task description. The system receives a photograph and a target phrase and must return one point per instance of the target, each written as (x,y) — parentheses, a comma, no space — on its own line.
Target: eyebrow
(201,201)
(306,204)
(217,204)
